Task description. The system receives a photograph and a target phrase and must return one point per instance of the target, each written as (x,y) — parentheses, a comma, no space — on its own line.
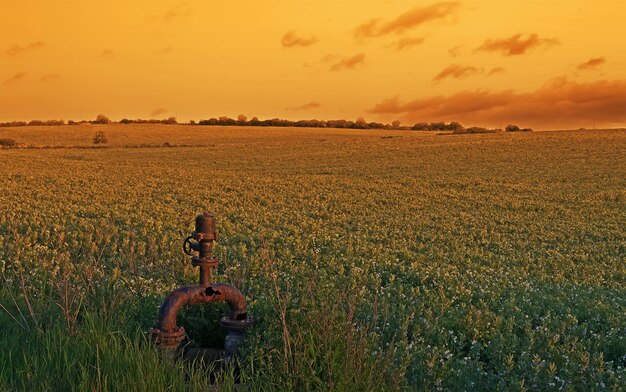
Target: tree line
(242,120)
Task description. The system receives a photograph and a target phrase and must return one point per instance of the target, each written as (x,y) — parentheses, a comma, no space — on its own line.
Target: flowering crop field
(370,260)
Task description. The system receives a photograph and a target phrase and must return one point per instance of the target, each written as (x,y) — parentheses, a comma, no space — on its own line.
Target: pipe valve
(201,242)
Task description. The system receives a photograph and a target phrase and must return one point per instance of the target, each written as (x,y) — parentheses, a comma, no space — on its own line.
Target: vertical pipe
(205,275)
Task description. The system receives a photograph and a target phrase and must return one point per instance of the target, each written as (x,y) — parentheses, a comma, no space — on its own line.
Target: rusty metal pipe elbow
(193,295)
(167,335)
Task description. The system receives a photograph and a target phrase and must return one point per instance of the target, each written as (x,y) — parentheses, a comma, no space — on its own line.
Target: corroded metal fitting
(205,227)
(198,261)
(167,335)
(235,334)
(204,235)
(236,325)
(167,338)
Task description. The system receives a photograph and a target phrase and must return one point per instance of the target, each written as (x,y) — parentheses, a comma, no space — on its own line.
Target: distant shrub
(421,127)
(360,123)
(515,128)
(455,127)
(375,125)
(6,142)
(437,126)
(211,121)
(226,121)
(14,124)
(167,144)
(101,119)
(54,122)
(100,138)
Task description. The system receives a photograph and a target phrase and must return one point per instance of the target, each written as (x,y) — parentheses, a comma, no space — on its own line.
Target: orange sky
(545,64)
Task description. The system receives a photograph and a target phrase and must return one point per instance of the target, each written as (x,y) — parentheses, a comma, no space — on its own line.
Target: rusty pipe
(167,335)
(192,295)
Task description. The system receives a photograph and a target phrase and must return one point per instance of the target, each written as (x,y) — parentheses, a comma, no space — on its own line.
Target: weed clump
(100,138)
(6,142)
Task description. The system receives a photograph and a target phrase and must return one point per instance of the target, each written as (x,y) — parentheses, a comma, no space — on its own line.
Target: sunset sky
(545,64)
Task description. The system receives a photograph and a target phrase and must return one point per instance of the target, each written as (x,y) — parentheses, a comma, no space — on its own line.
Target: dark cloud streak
(158,112)
(515,45)
(557,104)
(406,43)
(495,71)
(16,49)
(408,20)
(349,62)
(292,39)
(14,79)
(306,106)
(591,64)
(457,72)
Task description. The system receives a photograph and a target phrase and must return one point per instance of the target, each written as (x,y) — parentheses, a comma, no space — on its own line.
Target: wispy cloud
(456,71)
(16,49)
(591,64)
(165,50)
(406,43)
(558,103)
(516,45)
(455,51)
(408,20)
(179,11)
(292,38)
(307,106)
(349,62)
(495,71)
(14,79)
(49,77)
(106,54)
(158,112)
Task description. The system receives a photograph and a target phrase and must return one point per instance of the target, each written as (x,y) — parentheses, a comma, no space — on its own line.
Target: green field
(382,260)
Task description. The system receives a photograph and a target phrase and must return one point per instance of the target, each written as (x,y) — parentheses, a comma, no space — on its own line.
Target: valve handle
(188,246)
